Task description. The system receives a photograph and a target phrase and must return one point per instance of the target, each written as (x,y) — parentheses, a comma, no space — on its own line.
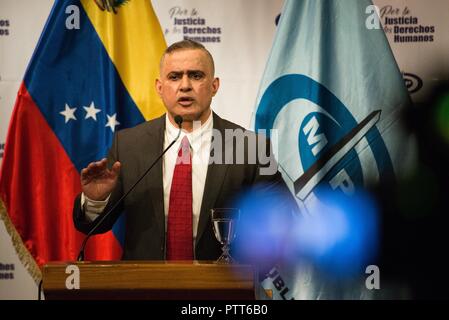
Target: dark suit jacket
(136,148)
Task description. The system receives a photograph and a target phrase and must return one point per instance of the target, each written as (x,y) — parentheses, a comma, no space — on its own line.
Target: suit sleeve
(79,218)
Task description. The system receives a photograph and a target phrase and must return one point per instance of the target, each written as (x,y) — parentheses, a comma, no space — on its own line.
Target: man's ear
(158,85)
(215,86)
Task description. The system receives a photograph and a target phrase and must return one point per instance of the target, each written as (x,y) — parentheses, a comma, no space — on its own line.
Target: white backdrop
(21,22)
(239,34)
(424,60)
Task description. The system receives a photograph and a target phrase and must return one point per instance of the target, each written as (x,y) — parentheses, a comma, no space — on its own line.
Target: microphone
(178,120)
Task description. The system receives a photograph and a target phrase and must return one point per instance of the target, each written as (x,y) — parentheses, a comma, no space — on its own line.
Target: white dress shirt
(200,144)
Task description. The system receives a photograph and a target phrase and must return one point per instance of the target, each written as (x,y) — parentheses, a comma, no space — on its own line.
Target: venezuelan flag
(92,73)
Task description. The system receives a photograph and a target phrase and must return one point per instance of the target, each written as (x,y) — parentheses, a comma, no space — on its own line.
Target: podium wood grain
(151,280)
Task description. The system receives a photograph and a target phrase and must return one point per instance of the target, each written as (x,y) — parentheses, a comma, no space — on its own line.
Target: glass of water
(224,222)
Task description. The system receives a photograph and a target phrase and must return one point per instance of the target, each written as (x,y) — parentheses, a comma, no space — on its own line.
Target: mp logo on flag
(328,136)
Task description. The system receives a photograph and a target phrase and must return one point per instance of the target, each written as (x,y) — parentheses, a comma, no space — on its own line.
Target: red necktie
(179,225)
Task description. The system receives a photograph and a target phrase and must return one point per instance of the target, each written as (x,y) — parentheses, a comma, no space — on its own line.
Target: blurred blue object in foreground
(266,217)
(338,234)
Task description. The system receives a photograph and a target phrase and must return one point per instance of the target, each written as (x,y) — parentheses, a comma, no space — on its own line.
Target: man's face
(187,84)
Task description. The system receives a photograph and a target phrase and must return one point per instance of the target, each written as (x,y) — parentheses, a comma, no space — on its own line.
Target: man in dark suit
(186,86)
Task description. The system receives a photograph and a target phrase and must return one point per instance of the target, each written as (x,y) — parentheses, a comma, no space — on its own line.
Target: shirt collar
(195,137)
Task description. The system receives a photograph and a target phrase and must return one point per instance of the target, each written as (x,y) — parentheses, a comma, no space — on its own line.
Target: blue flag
(333,91)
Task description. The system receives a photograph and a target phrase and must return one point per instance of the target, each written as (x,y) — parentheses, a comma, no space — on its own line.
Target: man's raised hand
(97,181)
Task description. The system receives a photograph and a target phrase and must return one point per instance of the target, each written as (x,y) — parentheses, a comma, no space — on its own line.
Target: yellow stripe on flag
(134,41)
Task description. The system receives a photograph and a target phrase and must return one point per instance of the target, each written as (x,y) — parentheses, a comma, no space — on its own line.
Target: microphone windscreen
(178,120)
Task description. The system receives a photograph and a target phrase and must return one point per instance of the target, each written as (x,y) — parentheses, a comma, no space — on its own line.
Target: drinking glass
(224,222)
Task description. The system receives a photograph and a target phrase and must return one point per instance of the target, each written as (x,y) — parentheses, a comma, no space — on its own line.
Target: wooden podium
(150,280)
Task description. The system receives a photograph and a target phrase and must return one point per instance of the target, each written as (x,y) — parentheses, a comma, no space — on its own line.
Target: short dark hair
(187,44)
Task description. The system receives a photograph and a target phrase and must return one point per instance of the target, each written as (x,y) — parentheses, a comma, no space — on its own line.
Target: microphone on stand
(178,120)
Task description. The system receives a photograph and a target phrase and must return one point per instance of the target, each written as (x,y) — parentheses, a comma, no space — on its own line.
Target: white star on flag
(68,113)
(112,122)
(91,111)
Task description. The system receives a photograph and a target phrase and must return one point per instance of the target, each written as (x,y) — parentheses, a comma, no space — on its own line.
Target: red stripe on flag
(38,184)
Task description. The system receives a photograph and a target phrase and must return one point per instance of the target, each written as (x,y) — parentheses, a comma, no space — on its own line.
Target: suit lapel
(214,181)
(153,180)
